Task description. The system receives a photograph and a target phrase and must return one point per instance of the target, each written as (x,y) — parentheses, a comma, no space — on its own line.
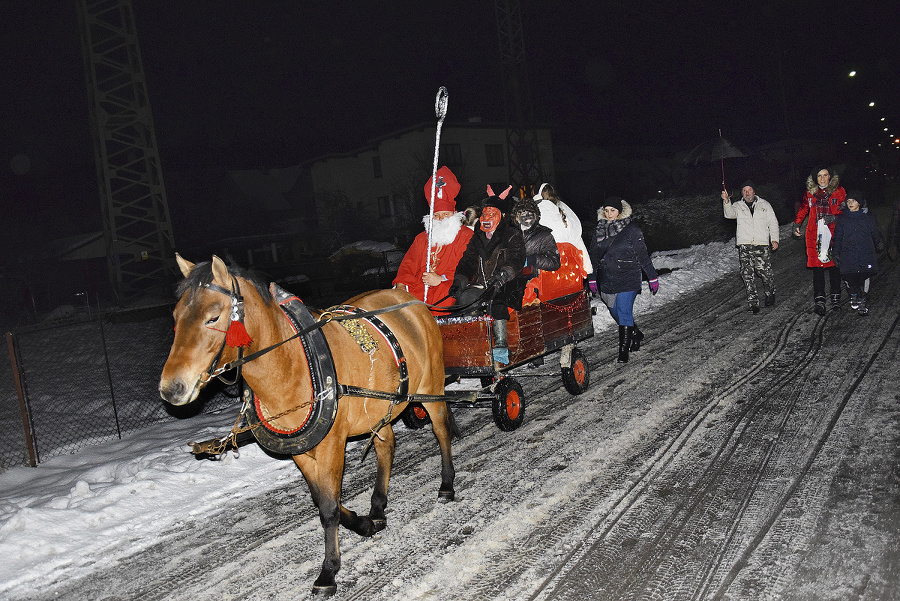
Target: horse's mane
(201,274)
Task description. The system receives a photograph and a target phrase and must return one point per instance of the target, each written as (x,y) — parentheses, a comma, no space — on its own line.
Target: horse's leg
(444,427)
(325,489)
(384,450)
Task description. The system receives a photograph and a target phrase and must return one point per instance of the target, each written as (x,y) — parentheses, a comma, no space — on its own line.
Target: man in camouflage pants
(757,232)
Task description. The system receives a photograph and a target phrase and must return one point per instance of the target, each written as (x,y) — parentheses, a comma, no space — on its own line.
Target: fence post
(23,401)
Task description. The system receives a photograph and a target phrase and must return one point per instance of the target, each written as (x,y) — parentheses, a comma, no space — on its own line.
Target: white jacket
(759,228)
(568,231)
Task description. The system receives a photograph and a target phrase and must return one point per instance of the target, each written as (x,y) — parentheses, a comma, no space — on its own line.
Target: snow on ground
(75,514)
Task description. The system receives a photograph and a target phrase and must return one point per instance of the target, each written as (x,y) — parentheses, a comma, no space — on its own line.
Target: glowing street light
(852,73)
(871,104)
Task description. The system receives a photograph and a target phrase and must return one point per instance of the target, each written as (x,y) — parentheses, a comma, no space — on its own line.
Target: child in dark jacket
(856,244)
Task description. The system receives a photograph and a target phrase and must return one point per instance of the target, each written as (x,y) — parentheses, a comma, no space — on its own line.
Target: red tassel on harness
(237,335)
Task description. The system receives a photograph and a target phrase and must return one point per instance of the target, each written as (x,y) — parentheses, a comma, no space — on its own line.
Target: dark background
(241,84)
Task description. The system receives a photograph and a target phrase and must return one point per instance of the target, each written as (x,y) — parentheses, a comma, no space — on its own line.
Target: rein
(216,447)
(326,317)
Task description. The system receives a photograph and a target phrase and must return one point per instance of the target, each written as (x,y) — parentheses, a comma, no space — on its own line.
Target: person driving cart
(489,267)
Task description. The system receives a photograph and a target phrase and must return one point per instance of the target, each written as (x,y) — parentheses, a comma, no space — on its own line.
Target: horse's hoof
(324,590)
(445,496)
(378,525)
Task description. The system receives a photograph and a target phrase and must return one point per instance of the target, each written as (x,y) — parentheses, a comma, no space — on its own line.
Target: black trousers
(834,281)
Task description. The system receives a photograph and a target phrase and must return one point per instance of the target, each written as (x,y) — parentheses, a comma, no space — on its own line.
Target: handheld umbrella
(714,150)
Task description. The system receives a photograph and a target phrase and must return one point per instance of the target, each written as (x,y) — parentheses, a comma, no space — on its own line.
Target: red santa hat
(444,192)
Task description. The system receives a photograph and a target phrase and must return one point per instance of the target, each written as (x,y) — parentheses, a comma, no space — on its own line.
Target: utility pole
(525,172)
(136,223)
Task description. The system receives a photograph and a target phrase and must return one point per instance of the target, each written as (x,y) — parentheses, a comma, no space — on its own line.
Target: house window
(385,208)
(494,154)
(452,154)
(376,166)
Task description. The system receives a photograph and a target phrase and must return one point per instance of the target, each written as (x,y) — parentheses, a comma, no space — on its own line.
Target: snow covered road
(736,456)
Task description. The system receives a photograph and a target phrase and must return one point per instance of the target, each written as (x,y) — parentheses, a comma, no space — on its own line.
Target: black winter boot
(836,302)
(626,335)
(636,339)
(820,305)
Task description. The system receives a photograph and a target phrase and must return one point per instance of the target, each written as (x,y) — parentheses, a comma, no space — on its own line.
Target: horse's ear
(220,272)
(183,265)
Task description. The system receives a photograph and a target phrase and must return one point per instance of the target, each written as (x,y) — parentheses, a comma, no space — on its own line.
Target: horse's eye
(212,320)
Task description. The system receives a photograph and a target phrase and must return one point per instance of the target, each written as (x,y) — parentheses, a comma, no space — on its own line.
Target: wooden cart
(539,329)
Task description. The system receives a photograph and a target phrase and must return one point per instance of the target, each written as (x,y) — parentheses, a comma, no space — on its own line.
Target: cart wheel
(577,377)
(508,405)
(415,417)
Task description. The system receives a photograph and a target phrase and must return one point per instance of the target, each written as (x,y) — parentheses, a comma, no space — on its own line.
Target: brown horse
(282,383)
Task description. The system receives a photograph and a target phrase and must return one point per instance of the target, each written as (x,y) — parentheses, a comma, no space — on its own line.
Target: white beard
(444,231)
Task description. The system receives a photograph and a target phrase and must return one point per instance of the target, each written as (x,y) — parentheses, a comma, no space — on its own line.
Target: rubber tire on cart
(415,417)
(508,404)
(577,378)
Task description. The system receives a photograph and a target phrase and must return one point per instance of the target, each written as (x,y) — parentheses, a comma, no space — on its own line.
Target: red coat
(818,203)
(444,260)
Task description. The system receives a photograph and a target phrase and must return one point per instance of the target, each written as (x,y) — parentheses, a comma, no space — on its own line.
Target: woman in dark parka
(619,256)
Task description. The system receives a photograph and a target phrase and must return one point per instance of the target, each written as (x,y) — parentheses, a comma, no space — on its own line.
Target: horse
(283,383)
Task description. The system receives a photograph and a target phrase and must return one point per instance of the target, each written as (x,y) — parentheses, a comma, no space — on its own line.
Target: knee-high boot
(626,335)
(636,339)
(501,348)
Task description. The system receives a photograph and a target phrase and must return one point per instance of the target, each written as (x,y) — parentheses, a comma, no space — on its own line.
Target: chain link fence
(87,380)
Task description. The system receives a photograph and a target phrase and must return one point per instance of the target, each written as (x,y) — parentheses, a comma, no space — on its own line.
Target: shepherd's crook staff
(440,110)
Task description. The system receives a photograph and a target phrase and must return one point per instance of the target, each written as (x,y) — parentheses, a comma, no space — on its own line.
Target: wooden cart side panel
(526,337)
(467,344)
(566,319)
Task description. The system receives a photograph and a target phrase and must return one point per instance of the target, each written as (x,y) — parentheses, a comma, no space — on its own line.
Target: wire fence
(88,380)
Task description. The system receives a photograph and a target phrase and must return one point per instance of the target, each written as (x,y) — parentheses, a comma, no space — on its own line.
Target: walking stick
(440,111)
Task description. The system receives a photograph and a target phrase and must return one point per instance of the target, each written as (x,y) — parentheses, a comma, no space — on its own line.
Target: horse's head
(209,299)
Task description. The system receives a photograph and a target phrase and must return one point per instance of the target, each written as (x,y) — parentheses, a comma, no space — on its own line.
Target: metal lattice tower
(525,172)
(136,222)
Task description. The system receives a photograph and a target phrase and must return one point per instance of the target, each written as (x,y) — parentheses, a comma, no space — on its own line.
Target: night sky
(244,84)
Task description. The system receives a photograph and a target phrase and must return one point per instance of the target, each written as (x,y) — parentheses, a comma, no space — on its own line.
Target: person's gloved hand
(495,281)
(592,285)
(654,285)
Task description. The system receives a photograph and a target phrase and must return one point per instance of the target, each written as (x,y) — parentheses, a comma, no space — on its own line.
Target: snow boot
(636,339)
(501,349)
(770,300)
(854,301)
(836,302)
(626,335)
(863,308)
(820,305)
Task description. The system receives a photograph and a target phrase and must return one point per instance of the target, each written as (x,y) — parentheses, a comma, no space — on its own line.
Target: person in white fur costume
(563,222)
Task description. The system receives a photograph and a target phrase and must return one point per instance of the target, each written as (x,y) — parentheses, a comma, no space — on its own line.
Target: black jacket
(502,256)
(619,255)
(541,251)
(856,242)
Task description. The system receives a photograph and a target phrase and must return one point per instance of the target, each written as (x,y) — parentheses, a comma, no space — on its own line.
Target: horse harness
(326,389)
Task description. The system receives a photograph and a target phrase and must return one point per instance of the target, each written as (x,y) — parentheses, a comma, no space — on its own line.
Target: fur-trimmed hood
(812,186)
(625,213)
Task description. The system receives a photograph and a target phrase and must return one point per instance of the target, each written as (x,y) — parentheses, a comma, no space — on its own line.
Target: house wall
(347,192)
